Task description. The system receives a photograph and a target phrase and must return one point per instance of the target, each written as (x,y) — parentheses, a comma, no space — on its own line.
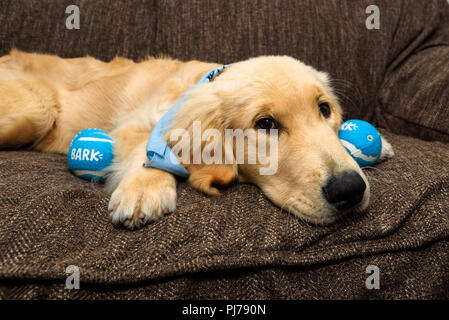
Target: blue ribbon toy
(159,154)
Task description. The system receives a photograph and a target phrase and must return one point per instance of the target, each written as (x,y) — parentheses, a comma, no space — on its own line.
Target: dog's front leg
(139,195)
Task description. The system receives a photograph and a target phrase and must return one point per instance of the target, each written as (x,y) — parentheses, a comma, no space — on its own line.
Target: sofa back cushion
(330,35)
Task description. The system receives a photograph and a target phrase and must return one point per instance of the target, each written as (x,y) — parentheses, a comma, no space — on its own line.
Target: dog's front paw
(144,196)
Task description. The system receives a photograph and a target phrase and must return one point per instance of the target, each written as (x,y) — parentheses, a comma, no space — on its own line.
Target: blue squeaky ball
(362,141)
(90,154)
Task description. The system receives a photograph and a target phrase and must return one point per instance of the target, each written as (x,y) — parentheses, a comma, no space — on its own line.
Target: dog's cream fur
(45,100)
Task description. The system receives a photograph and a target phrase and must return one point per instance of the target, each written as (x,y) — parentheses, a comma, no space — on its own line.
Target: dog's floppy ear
(198,131)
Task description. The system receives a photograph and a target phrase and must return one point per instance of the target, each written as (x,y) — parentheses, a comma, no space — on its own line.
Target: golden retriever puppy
(276,101)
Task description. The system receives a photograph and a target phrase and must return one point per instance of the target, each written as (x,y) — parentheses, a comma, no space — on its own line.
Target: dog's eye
(325,109)
(266,124)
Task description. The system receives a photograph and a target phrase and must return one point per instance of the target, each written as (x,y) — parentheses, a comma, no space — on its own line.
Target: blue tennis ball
(362,141)
(90,154)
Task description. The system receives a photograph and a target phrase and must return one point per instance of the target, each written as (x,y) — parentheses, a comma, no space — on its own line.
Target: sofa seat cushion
(51,219)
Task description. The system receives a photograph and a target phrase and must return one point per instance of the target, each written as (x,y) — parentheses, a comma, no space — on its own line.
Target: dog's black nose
(344,190)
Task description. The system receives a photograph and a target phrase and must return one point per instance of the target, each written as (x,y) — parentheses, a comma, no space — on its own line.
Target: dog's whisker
(346,86)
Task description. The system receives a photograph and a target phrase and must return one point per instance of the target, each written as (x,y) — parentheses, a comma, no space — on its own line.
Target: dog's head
(288,118)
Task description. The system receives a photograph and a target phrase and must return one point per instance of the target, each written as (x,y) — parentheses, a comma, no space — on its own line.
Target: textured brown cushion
(400,71)
(328,34)
(239,245)
(414,96)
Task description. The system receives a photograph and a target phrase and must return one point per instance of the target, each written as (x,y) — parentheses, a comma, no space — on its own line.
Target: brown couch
(239,245)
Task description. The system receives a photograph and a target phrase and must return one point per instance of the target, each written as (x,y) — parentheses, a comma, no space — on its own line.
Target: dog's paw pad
(134,204)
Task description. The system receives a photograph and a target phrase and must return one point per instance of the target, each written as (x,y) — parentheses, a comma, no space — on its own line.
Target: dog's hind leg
(28,110)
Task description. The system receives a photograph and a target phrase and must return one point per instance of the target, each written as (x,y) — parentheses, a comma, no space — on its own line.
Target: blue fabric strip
(159,154)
